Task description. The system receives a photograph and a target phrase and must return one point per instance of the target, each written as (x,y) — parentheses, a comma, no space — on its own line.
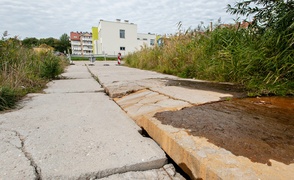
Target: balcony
(75,43)
(87,39)
(87,43)
(87,48)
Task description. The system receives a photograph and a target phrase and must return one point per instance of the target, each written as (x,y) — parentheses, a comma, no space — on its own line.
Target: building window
(152,42)
(122,33)
(145,39)
(122,48)
(138,38)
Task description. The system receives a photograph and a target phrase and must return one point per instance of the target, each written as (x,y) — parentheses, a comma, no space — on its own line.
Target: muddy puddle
(257,128)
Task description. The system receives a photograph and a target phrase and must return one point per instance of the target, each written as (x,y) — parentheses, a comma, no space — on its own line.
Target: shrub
(23,70)
(50,67)
(7,98)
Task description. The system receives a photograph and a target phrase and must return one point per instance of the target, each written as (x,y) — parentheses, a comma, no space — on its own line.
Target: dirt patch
(257,128)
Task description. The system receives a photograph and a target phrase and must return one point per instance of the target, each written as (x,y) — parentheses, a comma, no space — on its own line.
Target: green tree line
(61,45)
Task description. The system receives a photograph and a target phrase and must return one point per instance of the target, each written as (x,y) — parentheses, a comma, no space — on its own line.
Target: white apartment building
(146,40)
(120,36)
(81,43)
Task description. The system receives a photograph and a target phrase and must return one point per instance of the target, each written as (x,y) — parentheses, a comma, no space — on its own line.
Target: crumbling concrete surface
(167,172)
(143,96)
(16,162)
(196,154)
(73,131)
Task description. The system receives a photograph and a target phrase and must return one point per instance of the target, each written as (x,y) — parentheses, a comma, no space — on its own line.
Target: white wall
(95,46)
(76,47)
(145,40)
(110,41)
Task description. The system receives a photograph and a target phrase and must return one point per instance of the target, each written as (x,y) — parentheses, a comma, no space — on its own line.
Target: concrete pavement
(141,94)
(74,131)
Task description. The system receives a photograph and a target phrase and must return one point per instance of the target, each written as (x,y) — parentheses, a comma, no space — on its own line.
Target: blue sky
(52,18)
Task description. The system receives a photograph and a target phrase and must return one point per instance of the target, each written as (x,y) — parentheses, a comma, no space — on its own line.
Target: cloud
(52,18)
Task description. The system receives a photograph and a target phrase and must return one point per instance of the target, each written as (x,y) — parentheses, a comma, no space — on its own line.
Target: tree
(30,42)
(273,27)
(64,43)
(277,15)
(49,41)
(274,18)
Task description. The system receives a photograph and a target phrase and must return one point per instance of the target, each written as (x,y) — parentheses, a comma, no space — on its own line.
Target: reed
(262,63)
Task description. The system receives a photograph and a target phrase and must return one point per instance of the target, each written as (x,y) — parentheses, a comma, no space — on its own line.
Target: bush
(22,71)
(7,98)
(50,67)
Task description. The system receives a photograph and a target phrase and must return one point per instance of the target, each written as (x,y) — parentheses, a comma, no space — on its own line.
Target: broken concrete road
(74,131)
(141,94)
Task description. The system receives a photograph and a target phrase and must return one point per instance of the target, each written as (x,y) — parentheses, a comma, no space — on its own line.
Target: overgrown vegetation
(23,70)
(259,57)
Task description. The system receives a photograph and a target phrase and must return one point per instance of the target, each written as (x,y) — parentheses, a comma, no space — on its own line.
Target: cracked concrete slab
(77,72)
(113,74)
(193,96)
(72,141)
(122,81)
(145,101)
(14,163)
(73,86)
(195,155)
(167,172)
(70,135)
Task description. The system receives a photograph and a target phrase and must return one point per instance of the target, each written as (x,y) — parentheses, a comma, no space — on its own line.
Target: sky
(52,18)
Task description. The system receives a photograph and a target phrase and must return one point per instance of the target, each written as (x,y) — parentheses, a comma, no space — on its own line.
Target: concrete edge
(190,164)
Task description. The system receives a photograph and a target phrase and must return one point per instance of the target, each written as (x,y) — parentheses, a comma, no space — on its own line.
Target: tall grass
(262,63)
(24,71)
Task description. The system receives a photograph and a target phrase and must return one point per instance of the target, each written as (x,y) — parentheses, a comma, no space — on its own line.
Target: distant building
(146,40)
(119,36)
(111,37)
(81,43)
(243,25)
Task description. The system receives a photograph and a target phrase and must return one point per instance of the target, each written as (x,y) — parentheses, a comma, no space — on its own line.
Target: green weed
(23,71)
(262,63)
